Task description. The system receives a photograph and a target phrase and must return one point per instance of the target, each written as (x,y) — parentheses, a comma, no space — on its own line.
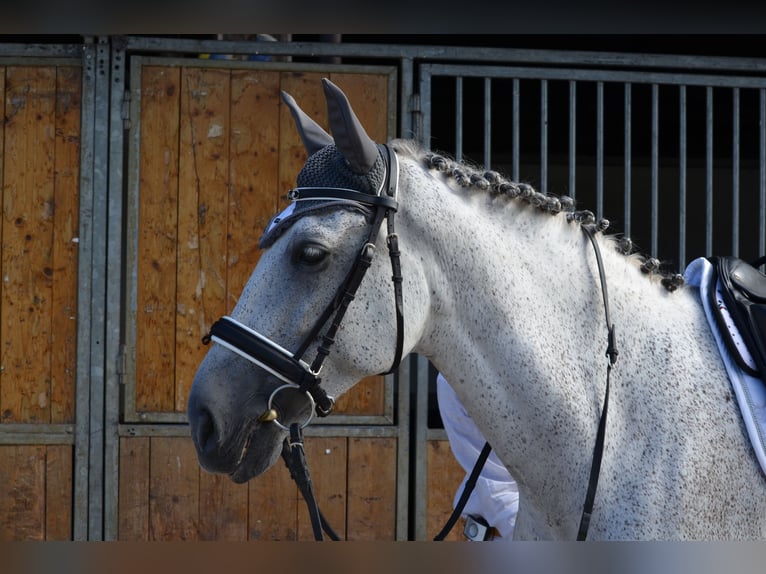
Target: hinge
(125,110)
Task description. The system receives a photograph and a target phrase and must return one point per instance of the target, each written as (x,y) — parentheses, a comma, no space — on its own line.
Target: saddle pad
(750,391)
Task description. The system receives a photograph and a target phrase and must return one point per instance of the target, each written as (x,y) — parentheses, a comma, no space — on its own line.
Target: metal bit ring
(270,415)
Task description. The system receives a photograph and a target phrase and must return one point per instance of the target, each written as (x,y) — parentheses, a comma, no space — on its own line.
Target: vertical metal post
(97,302)
(709,172)
(114,282)
(762,175)
(488,122)
(407,119)
(458,118)
(682,169)
(515,133)
(544,136)
(735,174)
(628,158)
(85,297)
(572,137)
(599,150)
(420,369)
(655,168)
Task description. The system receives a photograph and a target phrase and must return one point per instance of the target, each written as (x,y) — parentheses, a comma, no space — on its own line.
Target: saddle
(738,296)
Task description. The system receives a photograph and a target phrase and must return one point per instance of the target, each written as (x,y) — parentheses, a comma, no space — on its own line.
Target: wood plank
(254,165)
(368,94)
(307,90)
(173,490)
(222,508)
(133,519)
(28,208)
(65,231)
(59,494)
(202,218)
(22,492)
(326,458)
(157,239)
(372,489)
(367,397)
(273,506)
(444,477)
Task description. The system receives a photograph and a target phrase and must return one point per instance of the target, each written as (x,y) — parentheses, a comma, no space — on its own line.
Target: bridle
(295,373)
(289,367)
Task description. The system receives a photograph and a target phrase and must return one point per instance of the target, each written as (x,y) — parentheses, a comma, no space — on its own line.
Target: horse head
(284,336)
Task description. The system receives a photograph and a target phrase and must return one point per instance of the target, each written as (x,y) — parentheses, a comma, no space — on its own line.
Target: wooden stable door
(39,187)
(213,152)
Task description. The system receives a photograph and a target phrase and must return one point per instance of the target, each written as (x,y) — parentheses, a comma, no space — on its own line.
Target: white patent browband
(252,359)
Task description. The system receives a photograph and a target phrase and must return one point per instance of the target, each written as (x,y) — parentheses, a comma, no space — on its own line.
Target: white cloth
(750,391)
(496,496)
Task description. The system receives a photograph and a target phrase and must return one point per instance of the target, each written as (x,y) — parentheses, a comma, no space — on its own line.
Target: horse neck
(498,272)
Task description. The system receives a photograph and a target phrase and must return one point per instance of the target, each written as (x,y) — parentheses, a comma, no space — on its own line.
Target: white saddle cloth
(750,391)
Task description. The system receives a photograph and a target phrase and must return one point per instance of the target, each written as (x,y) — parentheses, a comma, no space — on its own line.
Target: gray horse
(499,287)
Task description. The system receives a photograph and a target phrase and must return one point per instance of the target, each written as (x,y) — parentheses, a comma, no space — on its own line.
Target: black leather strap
(611,352)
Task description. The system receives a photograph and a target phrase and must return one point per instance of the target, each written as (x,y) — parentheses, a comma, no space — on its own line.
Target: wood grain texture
(253,171)
(326,457)
(202,218)
(59,492)
(174,488)
(133,519)
(273,506)
(372,489)
(222,508)
(65,244)
(444,477)
(157,239)
(22,492)
(27,231)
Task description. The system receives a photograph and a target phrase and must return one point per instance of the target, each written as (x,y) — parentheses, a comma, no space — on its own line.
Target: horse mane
(468,176)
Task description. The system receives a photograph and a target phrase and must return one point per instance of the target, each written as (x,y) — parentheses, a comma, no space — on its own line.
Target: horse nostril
(206,431)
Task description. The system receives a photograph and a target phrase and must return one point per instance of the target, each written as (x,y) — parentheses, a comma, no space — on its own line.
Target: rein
(598,449)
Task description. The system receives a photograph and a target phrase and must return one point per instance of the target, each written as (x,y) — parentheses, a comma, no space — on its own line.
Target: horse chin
(258,455)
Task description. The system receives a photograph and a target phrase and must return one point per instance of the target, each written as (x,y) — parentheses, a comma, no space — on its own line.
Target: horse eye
(310,254)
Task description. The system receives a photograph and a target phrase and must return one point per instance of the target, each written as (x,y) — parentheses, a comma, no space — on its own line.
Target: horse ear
(357,147)
(313,136)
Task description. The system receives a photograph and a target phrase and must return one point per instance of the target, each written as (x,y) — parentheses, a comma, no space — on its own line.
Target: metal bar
(487,123)
(572,138)
(114,281)
(421,448)
(11,434)
(544,136)
(762,176)
(628,159)
(425,109)
(597,75)
(599,150)
(515,132)
(682,172)
(98,310)
(709,172)
(655,169)
(478,54)
(407,119)
(459,118)
(84,296)
(44,51)
(403,451)
(735,174)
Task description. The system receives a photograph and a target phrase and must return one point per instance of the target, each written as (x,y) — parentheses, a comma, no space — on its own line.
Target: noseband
(289,367)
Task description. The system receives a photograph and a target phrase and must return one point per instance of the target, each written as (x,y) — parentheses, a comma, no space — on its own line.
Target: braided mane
(469,177)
